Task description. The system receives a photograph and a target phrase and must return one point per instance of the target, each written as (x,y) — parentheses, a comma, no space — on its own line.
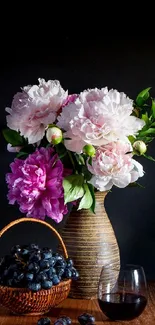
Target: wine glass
(122,291)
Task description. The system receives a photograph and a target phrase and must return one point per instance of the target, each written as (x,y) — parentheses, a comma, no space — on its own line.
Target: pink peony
(34,108)
(98,117)
(70,99)
(114,165)
(36,185)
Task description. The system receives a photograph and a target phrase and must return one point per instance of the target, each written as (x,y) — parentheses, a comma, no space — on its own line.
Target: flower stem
(71,159)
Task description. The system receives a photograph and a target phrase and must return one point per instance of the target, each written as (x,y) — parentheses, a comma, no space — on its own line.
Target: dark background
(81,63)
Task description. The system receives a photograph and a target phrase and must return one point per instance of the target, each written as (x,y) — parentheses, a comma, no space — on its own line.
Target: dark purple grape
(61,264)
(67,274)
(75,274)
(25,250)
(44,321)
(46,253)
(55,280)
(33,267)
(46,284)
(44,264)
(52,261)
(54,270)
(50,272)
(63,321)
(86,318)
(33,247)
(29,276)
(34,286)
(45,270)
(35,257)
(15,249)
(20,277)
(47,249)
(60,271)
(58,257)
(41,276)
(69,262)
(66,319)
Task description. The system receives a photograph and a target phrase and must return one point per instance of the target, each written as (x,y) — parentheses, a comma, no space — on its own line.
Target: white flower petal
(99,116)
(34,108)
(122,180)
(113,165)
(101,183)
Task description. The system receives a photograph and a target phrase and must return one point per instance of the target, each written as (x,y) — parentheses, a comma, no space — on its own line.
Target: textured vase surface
(91,243)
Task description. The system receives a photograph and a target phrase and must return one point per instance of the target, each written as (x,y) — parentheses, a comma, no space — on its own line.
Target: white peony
(98,117)
(113,165)
(34,108)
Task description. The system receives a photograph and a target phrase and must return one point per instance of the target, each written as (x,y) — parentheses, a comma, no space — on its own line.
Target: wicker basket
(22,301)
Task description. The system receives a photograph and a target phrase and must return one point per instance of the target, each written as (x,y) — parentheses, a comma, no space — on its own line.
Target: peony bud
(89,150)
(10,148)
(140,147)
(54,135)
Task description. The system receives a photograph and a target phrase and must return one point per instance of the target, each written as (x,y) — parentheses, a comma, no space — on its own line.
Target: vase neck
(100,195)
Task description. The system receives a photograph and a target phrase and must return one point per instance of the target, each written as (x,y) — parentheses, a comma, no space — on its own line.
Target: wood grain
(74,307)
(91,243)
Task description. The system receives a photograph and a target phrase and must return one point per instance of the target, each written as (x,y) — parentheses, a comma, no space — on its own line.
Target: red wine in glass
(122,295)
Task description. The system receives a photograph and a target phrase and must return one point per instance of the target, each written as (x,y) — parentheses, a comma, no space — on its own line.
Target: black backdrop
(127,66)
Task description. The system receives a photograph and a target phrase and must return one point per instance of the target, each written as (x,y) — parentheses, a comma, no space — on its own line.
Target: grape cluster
(31,267)
(84,319)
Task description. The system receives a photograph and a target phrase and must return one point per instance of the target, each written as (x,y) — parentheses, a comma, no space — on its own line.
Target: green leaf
(146,132)
(145,118)
(86,173)
(91,188)
(153,107)
(146,139)
(61,150)
(143,96)
(79,159)
(73,187)
(135,184)
(90,161)
(87,200)
(149,157)
(131,138)
(21,154)
(13,137)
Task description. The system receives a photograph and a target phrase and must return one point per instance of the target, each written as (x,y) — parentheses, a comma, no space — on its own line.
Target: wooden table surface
(74,307)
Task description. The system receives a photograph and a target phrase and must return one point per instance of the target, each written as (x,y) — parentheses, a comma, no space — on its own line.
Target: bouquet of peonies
(68,146)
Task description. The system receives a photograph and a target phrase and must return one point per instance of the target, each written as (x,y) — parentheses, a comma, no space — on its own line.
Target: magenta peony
(114,165)
(36,185)
(36,107)
(98,117)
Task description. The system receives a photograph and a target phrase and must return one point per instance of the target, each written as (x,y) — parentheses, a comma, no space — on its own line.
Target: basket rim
(61,284)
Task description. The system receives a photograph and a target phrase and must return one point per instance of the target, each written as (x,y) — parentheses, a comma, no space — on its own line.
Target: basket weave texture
(22,301)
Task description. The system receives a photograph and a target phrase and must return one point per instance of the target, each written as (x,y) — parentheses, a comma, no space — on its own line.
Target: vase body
(91,243)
